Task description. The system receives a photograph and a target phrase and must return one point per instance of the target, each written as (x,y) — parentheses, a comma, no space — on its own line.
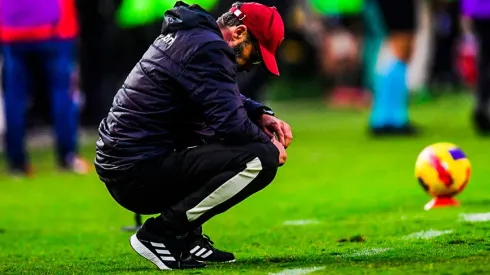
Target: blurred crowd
(63,60)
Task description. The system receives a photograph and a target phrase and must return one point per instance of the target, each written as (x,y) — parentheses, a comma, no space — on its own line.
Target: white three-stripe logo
(162,251)
(198,251)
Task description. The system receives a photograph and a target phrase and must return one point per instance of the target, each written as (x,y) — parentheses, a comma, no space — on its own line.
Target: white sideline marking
(366,252)
(475,217)
(299,271)
(301,222)
(429,234)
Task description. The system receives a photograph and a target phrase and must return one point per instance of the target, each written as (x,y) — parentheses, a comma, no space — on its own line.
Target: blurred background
(352,71)
(323,56)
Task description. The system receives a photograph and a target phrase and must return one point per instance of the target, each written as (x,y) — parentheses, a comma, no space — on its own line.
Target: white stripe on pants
(226,191)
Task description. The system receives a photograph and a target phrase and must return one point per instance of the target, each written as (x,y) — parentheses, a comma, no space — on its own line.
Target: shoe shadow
(257,262)
(278,262)
(270,263)
(127,269)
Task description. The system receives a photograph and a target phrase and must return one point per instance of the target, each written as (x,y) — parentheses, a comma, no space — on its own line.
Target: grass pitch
(349,202)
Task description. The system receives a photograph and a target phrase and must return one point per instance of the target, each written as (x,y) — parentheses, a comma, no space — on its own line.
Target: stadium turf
(344,203)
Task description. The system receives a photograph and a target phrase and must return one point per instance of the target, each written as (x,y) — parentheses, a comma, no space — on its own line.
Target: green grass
(336,174)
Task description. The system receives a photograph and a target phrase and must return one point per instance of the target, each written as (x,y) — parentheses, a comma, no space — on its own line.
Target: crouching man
(181,141)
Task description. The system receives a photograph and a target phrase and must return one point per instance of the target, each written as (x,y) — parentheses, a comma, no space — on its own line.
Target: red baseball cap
(266,25)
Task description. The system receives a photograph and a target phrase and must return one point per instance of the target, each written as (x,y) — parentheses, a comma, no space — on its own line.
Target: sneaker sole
(146,253)
(210,262)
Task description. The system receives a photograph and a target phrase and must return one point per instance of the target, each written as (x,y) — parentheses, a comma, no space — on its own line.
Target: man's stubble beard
(239,49)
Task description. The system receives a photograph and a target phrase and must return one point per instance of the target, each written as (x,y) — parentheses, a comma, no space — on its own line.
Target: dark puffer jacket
(181,93)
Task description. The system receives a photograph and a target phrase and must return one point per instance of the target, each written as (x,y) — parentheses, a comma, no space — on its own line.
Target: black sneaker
(406,130)
(165,252)
(202,249)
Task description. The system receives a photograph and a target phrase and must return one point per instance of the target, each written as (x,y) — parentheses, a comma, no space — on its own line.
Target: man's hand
(282,151)
(272,125)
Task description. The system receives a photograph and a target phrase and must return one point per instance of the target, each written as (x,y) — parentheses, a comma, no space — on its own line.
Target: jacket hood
(183,16)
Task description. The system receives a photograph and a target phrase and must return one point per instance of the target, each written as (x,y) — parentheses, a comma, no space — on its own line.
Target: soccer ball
(443,170)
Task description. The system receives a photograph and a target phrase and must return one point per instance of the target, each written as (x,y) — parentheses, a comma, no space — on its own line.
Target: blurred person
(467,55)
(45,30)
(339,49)
(420,62)
(2,112)
(479,12)
(94,23)
(446,20)
(181,141)
(391,23)
(341,63)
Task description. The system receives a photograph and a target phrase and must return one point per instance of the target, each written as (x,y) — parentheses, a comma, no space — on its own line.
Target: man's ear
(240,33)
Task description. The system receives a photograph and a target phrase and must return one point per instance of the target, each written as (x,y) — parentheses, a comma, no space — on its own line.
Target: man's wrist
(267,111)
(256,116)
(256,113)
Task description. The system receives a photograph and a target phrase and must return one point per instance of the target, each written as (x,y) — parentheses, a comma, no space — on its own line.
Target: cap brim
(269,61)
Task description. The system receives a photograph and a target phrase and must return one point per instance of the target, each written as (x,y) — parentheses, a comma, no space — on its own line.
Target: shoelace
(205,239)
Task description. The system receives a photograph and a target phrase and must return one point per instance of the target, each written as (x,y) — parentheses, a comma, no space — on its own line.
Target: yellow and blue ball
(443,169)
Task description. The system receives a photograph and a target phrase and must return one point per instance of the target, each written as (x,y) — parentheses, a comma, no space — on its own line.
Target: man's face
(246,48)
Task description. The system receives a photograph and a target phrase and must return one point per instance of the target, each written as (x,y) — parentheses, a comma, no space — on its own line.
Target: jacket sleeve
(209,78)
(254,108)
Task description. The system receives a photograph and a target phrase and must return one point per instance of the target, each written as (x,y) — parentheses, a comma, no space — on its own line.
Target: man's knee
(267,156)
